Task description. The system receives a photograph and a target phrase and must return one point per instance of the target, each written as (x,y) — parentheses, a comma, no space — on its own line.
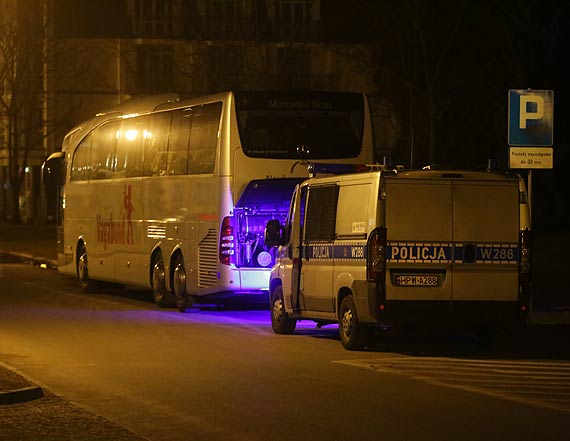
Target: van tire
(280,320)
(353,334)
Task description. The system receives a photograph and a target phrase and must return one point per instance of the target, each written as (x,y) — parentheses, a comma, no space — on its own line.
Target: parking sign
(531,117)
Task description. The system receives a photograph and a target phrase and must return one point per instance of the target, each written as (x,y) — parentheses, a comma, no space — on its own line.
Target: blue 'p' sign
(531,117)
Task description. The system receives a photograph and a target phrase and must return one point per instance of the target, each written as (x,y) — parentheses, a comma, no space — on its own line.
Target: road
(223,375)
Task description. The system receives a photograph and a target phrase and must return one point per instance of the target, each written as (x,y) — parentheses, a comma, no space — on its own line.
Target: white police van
(388,246)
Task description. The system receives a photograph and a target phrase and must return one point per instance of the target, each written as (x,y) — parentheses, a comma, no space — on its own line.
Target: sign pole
(529,195)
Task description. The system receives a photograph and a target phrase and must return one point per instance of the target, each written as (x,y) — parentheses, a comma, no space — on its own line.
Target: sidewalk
(27,411)
(31,242)
(49,417)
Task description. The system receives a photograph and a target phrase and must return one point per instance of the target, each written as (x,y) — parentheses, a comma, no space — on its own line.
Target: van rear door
(452,239)
(485,236)
(420,235)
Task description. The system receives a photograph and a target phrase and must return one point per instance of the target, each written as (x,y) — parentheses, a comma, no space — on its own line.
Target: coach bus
(174,194)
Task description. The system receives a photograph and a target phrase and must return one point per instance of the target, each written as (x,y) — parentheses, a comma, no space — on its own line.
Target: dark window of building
(155,68)
(225,66)
(226,19)
(294,61)
(294,21)
(156,18)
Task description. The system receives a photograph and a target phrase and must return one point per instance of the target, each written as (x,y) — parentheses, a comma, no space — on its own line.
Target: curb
(21,395)
(36,260)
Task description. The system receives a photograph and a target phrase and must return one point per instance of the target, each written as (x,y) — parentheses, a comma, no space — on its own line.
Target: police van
(391,246)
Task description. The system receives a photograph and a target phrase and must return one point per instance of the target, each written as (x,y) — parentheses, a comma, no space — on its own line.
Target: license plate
(416,280)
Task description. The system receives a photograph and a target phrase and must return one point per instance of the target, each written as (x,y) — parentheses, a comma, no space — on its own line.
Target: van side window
(321,214)
(355,211)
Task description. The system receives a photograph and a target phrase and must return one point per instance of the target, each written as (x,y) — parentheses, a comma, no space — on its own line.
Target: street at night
(284,220)
(221,374)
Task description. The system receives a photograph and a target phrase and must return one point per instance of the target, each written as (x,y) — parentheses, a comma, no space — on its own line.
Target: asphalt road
(223,375)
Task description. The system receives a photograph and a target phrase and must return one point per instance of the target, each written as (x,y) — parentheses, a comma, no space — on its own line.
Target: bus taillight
(376,256)
(226,242)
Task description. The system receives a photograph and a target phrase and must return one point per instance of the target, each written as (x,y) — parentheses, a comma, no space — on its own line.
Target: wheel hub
(347,322)
(277,310)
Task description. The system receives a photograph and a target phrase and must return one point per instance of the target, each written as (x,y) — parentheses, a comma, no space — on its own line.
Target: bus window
(81,165)
(277,125)
(156,145)
(104,150)
(178,142)
(130,138)
(204,138)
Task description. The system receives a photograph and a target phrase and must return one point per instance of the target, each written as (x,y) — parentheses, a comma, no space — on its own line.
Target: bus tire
(280,320)
(353,334)
(181,297)
(162,297)
(87,285)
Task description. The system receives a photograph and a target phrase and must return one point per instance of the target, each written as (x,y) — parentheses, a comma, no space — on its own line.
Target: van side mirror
(273,233)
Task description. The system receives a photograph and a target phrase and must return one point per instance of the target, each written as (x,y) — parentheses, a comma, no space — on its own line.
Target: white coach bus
(174,194)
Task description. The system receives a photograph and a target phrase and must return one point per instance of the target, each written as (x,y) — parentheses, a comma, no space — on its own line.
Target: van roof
(420,174)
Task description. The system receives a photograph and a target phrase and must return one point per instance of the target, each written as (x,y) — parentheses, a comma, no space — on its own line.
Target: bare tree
(21,61)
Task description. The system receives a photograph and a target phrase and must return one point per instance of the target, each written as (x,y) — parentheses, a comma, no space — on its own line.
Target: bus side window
(104,150)
(156,145)
(81,163)
(178,142)
(130,137)
(204,138)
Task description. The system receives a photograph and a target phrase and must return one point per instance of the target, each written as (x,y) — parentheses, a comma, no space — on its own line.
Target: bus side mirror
(273,233)
(51,168)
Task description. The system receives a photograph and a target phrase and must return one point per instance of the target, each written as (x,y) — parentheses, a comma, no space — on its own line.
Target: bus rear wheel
(162,297)
(181,297)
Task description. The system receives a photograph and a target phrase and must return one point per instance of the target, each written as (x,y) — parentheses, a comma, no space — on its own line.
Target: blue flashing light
(335,169)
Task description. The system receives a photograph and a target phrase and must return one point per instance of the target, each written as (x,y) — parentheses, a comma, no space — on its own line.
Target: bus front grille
(208,260)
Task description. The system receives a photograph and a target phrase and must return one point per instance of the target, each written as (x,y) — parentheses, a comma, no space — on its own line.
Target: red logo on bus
(118,232)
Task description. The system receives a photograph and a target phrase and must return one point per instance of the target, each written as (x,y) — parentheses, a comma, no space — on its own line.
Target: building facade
(102,53)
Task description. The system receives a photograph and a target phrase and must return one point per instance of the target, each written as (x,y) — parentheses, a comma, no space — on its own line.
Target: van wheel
(87,285)
(162,297)
(280,320)
(181,297)
(353,334)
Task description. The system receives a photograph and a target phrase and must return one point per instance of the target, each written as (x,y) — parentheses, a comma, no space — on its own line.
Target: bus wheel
(280,320)
(181,297)
(353,334)
(87,285)
(162,297)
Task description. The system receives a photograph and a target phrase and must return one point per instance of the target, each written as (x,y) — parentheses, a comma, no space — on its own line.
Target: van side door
(316,278)
(290,252)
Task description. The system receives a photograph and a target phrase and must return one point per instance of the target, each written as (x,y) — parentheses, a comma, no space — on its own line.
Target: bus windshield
(286,125)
